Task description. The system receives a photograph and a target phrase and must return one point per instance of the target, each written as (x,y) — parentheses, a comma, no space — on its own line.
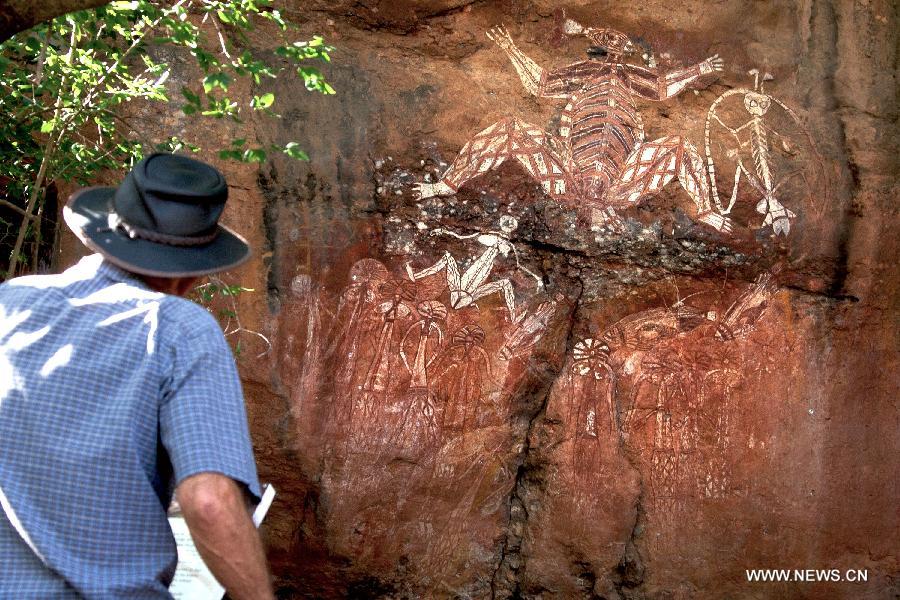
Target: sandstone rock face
(579,372)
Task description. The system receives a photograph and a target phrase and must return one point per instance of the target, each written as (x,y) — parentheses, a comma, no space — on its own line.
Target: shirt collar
(106,269)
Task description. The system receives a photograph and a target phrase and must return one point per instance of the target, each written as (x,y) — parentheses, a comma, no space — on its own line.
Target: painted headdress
(614,42)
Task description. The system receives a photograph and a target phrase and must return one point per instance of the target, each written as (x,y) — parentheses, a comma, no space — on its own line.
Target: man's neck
(176,286)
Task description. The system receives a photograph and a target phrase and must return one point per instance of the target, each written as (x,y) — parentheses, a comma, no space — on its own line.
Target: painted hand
(713,63)
(501,37)
(429,190)
(717,221)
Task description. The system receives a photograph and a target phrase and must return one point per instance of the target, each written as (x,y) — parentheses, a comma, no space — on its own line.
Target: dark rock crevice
(824,45)
(506,579)
(628,576)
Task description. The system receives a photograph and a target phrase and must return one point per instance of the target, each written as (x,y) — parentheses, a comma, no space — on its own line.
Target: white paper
(193,580)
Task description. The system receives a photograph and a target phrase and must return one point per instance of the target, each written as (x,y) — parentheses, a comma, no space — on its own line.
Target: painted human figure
(396,308)
(432,313)
(472,285)
(528,332)
(600,155)
(716,389)
(762,177)
(591,364)
(463,367)
(354,316)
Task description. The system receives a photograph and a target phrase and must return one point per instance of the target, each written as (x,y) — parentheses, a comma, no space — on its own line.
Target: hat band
(134,232)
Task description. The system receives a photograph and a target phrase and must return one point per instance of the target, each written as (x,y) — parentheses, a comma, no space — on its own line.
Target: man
(114,389)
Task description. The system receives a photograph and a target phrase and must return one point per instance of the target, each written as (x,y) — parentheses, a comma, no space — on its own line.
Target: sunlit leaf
(264,101)
(214,80)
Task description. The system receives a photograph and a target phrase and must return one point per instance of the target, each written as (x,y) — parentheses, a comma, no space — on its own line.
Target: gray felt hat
(161,221)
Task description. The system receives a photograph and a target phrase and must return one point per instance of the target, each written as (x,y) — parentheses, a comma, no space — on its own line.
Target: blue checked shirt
(110,394)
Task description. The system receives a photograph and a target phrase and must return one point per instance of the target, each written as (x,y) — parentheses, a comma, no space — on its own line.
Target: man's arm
(216,513)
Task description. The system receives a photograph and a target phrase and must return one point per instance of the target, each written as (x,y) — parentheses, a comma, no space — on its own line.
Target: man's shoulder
(82,272)
(186,319)
(17,291)
(34,281)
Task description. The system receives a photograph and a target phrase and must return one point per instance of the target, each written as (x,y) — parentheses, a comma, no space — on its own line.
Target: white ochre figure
(600,157)
(762,177)
(472,285)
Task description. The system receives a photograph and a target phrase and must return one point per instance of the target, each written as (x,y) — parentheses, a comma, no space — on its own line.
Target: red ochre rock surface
(493,394)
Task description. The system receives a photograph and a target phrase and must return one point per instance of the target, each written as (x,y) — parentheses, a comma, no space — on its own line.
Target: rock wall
(577,370)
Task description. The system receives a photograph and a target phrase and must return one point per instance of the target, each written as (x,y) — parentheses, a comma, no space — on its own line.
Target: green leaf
(190,96)
(48,126)
(258,155)
(230,155)
(264,101)
(292,149)
(214,80)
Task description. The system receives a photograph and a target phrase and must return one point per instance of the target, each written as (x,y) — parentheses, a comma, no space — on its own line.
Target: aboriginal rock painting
(749,139)
(600,158)
(662,382)
(428,349)
(422,391)
(418,365)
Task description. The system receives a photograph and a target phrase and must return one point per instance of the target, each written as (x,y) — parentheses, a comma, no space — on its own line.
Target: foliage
(63,83)
(214,294)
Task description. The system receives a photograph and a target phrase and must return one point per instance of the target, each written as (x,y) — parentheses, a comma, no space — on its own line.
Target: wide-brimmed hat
(162,220)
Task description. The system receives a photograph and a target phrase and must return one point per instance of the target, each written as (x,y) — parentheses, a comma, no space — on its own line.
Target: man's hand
(216,514)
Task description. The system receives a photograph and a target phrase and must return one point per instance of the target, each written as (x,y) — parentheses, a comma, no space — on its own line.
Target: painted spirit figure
(472,285)
(432,314)
(600,156)
(754,136)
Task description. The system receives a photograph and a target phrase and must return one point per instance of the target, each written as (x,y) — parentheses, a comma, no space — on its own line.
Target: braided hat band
(134,232)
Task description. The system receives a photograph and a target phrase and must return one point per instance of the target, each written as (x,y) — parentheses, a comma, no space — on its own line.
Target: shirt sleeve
(202,418)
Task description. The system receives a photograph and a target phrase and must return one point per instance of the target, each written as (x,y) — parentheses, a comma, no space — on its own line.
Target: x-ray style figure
(590,361)
(528,332)
(716,389)
(762,177)
(355,311)
(472,285)
(463,367)
(432,313)
(400,293)
(600,156)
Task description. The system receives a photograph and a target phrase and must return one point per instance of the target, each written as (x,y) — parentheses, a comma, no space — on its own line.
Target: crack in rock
(506,579)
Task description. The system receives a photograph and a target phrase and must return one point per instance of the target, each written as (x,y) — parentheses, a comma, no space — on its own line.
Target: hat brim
(87,215)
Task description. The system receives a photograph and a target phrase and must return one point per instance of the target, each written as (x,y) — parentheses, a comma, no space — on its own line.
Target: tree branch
(16,208)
